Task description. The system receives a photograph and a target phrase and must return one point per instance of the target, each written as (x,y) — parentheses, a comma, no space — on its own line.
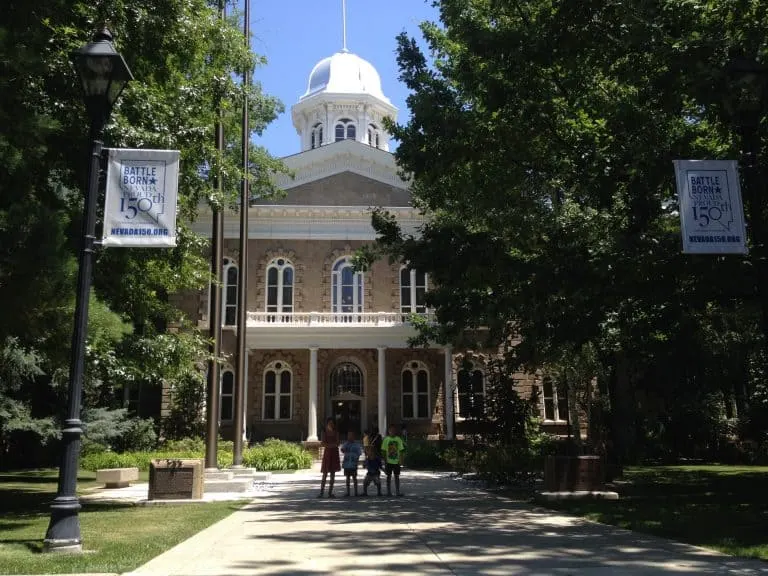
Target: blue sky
(295,34)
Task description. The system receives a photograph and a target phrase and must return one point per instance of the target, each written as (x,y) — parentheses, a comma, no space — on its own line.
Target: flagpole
(344,22)
(215,295)
(242,285)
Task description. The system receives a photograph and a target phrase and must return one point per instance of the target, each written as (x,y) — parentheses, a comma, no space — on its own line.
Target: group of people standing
(380,453)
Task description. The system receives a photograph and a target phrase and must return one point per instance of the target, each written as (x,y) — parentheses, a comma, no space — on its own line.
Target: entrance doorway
(348,416)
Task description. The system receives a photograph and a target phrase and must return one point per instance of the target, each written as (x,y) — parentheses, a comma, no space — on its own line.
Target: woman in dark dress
(331,461)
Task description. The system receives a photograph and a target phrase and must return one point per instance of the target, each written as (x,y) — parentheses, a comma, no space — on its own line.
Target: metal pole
(242,285)
(63,533)
(214,316)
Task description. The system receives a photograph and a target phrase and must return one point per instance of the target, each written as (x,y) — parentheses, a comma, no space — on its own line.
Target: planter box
(176,479)
(574,474)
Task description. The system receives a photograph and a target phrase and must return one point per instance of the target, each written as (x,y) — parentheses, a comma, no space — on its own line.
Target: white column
(448,396)
(312,417)
(382,391)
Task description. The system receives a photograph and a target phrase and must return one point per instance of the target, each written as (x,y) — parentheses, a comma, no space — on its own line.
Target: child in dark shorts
(373,463)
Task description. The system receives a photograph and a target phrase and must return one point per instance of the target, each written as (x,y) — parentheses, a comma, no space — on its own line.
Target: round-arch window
(346,378)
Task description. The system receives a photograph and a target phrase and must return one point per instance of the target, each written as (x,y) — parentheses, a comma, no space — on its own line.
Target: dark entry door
(347,415)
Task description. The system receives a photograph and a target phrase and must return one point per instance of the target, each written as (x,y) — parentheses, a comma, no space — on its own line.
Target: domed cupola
(343,101)
(344,73)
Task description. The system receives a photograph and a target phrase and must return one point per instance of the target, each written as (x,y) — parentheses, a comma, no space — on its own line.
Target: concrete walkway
(441,526)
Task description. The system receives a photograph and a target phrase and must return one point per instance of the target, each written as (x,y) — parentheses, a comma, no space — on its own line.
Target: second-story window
(280,286)
(413,290)
(345,130)
(229,301)
(347,287)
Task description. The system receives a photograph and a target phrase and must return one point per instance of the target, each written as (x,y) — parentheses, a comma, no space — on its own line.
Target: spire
(344,24)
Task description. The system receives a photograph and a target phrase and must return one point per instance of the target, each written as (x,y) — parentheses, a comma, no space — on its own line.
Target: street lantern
(103,74)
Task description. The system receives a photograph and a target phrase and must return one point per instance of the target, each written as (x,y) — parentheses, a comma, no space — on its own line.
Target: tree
(185,60)
(540,146)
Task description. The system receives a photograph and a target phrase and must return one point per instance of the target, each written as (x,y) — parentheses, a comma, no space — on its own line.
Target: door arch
(346,392)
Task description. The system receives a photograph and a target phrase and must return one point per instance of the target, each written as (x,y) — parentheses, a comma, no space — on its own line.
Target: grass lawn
(719,507)
(116,537)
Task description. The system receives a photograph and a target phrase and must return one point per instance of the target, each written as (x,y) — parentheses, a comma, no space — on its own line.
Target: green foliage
(19,367)
(271,455)
(276,454)
(195,444)
(540,147)
(107,430)
(424,455)
(142,460)
(186,61)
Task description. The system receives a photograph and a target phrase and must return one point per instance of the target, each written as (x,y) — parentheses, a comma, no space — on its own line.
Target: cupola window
(317,136)
(373,135)
(345,130)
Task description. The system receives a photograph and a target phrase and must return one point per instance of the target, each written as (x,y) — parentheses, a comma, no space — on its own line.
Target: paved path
(440,527)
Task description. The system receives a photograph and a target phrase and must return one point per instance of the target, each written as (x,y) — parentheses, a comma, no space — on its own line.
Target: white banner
(711,213)
(140,205)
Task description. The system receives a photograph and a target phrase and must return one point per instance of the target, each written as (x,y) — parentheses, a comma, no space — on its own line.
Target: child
(373,466)
(331,462)
(352,451)
(393,449)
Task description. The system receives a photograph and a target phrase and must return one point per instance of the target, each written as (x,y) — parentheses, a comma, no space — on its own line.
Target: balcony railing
(330,319)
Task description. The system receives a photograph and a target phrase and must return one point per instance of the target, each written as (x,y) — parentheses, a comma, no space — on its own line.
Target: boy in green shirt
(393,449)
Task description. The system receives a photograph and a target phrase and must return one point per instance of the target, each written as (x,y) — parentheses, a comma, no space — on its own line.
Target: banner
(140,204)
(711,213)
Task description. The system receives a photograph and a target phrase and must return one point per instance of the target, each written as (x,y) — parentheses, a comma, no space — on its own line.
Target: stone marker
(176,479)
(117,477)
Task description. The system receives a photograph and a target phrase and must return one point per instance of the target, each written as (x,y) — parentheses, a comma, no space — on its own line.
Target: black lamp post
(103,74)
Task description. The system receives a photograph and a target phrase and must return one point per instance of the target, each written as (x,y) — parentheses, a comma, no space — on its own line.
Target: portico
(348,367)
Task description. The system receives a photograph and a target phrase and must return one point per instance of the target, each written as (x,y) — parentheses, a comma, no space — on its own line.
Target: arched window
(471,388)
(279,286)
(345,129)
(413,290)
(226,398)
(555,401)
(373,135)
(229,301)
(347,287)
(346,378)
(278,387)
(415,389)
(317,136)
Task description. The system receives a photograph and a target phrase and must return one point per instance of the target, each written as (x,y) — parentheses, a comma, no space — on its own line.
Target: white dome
(344,73)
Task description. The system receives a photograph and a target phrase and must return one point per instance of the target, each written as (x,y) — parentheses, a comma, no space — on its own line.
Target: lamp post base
(62,547)
(63,534)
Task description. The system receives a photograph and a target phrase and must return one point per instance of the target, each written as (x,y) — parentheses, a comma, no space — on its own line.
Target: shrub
(425,455)
(140,460)
(276,454)
(107,430)
(195,444)
(272,455)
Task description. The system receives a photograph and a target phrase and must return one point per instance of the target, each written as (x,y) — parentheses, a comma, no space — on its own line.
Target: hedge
(271,455)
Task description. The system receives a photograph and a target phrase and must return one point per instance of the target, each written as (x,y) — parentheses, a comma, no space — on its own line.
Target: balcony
(328,329)
(335,319)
